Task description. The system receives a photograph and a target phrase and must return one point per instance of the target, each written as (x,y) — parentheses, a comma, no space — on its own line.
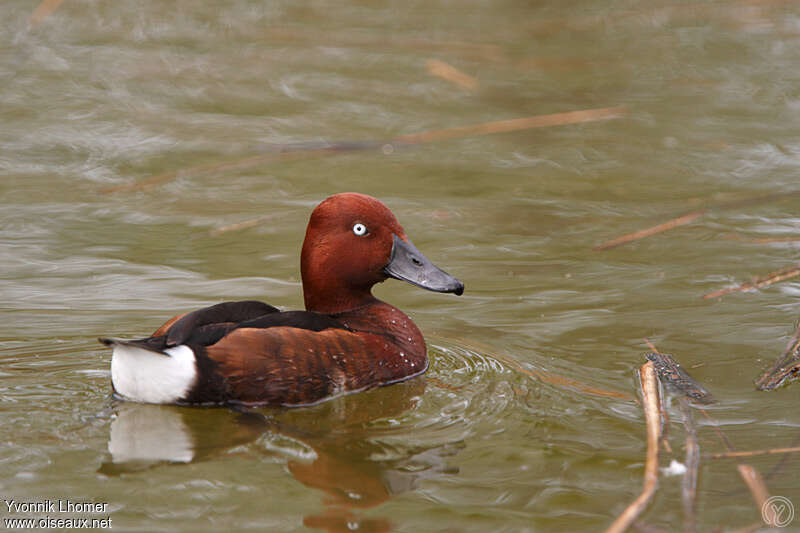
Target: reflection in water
(351,464)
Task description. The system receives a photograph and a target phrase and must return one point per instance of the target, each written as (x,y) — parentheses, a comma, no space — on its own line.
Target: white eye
(360,229)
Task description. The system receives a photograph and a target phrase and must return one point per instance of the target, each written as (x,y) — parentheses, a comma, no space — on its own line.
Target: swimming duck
(346,340)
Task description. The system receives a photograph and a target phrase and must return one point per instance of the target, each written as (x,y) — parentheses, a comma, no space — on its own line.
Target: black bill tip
(409,264)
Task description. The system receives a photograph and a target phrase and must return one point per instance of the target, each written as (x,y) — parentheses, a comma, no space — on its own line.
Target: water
(102,95)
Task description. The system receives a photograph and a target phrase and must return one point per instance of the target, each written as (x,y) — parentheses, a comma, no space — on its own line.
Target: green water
(106,94)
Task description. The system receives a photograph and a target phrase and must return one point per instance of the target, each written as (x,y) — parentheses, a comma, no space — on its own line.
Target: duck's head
(353,241)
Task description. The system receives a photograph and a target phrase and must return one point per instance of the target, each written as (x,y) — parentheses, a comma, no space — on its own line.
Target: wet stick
(241,225)
(447,72)
(44,10)
(690,217)
(785,368)
(759,282)
(301,151)
(641,234)
(672,374)
(517,124)
(750,453)
(651,402)
(763,240)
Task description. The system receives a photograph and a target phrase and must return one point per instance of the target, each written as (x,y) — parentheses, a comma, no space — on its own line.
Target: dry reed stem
(758,282)
(664,414)
(762,240)
(240,225)
(517,124)
(691,217)
(651,401)
(44,10)
(750,453)
(641,234)
(448,72)
(503,126)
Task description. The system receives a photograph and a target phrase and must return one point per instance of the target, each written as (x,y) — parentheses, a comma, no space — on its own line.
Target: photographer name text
(50,507)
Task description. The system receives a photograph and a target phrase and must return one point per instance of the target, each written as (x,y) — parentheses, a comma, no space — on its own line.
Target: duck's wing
(203,327)
(180,328)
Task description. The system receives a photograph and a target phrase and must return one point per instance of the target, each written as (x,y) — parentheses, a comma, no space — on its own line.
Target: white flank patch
(144,376)
(149,433)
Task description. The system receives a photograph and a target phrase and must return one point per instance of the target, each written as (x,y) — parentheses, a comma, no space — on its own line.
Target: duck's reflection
(353,466)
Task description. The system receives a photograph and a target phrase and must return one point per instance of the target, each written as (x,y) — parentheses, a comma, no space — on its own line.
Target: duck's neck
(332,300)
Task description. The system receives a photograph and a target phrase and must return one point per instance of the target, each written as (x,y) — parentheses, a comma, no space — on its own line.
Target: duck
(253,354)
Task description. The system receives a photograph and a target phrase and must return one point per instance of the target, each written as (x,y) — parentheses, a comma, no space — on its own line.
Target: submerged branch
(692,462)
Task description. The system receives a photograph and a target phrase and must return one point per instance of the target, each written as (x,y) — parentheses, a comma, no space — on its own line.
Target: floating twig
(689,218)
(517,124)
(758,282)
(297,151)
(42,11)
(651,401)
(762,240)
(787,367)
(750,453)
(672,374)
(448,72)
(241,225)
(641,234)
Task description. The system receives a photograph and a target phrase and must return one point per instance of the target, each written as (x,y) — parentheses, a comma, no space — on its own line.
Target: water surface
(103,95)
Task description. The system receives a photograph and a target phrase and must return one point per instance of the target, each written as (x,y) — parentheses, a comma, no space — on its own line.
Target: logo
(777,511)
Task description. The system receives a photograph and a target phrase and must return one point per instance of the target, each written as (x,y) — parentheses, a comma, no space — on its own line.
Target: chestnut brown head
(352,242)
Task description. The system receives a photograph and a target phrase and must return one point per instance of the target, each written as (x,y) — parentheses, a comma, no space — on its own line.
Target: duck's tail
(150,344)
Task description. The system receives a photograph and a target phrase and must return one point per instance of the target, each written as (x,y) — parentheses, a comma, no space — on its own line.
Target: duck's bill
(408,264)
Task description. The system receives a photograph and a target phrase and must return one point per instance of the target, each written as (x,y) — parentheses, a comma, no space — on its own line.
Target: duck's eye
(360,229)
